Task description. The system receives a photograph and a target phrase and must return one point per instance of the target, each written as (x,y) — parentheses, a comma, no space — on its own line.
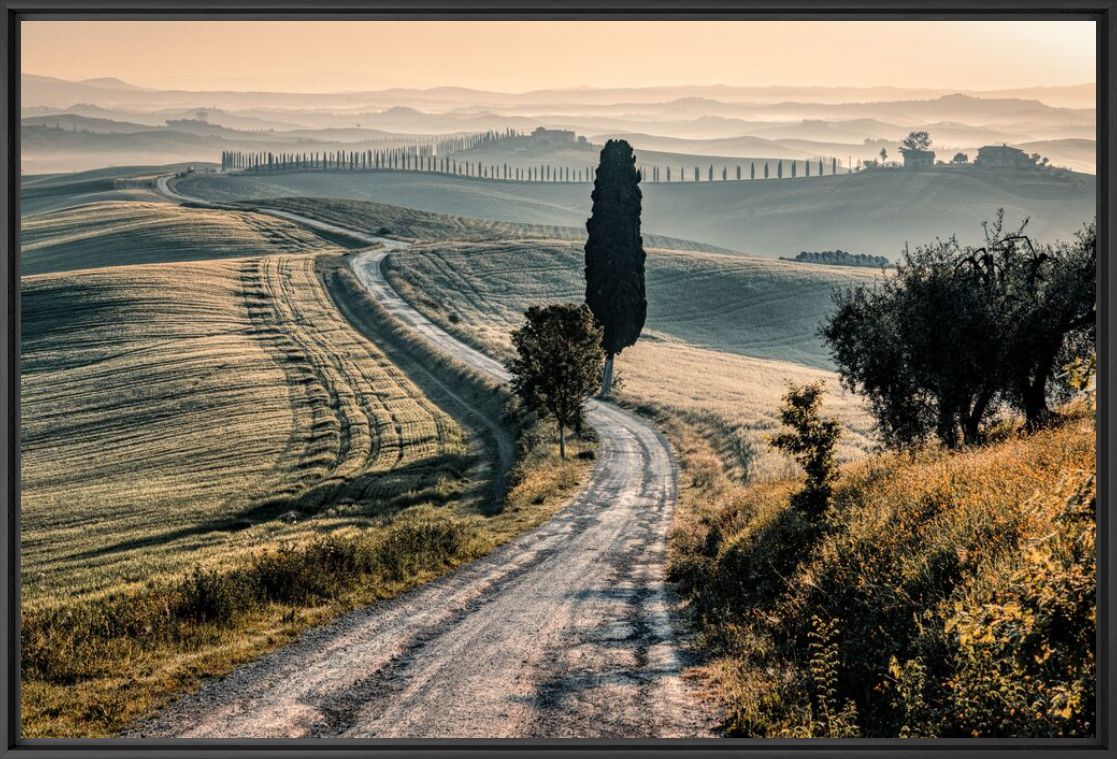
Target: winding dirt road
(566,631)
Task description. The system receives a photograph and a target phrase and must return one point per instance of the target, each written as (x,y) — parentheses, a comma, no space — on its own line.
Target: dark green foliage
(810,439)
(961,331)
(615,290)
(558,362)
(614,249)
(839,258)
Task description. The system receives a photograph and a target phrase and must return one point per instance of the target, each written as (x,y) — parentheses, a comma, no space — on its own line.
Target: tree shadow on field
(434,480)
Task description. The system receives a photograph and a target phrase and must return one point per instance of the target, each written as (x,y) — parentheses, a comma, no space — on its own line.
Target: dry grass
(423,225)
(880,602)
(755,307)
(116,233)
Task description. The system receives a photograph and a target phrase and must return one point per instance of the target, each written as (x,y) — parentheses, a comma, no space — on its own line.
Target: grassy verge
(943,595)
(93,666)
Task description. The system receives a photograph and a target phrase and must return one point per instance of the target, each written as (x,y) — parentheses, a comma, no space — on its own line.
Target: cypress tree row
(615,255)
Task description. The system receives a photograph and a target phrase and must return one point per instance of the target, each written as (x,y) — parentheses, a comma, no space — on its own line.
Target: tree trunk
(562,441)
(1034,396)
(971,427)
(946,427)
(607,376)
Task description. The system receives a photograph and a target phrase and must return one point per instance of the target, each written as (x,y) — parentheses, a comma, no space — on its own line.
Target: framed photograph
(644,378)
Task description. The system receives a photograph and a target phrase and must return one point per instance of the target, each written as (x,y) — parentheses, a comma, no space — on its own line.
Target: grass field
(168,409)
(121,232)
(197,467)
(413,224)
(723,333)
(52,192)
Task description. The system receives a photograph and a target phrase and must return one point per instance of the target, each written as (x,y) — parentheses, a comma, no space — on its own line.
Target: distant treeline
(441,157)
(419,158)
(839,258)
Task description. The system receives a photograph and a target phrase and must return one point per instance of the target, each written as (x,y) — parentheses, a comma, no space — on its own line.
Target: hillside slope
(944,595)
(116,233)
(867,212)
(172,414)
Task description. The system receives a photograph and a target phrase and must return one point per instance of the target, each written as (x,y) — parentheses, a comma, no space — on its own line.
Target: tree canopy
(558,362)
(615,290)
(961,331)
(917,141)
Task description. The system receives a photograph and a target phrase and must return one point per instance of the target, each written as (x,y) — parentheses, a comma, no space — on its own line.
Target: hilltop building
(1004,157)
(918,159)
(544,136)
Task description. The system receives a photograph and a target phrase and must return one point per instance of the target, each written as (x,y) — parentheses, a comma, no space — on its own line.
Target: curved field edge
(125,232)
(92,666)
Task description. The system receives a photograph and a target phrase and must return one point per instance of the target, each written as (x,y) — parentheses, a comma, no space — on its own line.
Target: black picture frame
(1104,12)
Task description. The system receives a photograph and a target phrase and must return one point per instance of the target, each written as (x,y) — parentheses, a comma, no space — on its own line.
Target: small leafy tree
(810,440)
(960,158)
(558,362)
(917,141)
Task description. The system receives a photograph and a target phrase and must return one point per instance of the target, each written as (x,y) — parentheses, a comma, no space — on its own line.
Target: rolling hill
(873,212)
(49,192)
(412,224)
(119,232)
(185,414)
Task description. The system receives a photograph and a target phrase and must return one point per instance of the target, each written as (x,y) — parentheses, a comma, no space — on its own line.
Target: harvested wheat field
(724,334)
(186,413)
(117,233)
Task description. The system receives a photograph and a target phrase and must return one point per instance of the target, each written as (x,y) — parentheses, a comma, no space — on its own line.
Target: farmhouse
(545,136)
(1004,157)
(917,159)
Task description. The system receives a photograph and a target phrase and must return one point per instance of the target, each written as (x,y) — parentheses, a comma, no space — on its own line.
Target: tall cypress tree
(615,254)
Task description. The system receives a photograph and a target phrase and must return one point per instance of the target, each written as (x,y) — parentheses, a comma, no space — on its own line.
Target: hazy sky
(514,56)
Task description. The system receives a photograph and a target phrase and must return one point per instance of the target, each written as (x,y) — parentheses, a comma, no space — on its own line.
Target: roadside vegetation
(941,594)
(941,589)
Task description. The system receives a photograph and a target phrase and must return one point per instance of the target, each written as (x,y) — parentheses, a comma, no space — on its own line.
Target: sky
(517,56)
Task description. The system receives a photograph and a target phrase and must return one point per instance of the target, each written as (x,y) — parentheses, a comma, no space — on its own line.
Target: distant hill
(1079,155)
(870,212)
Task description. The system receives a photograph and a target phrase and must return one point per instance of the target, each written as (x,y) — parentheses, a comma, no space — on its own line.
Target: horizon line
(428,88)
